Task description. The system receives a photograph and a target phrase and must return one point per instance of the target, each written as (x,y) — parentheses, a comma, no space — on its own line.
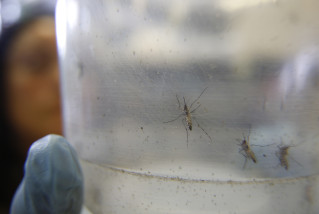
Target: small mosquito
(282,155)
(246,151)
(187,113)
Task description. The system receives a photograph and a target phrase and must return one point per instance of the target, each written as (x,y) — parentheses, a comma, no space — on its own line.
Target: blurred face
(33,83)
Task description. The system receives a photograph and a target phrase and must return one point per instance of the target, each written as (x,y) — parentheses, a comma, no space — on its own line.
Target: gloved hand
(53,180)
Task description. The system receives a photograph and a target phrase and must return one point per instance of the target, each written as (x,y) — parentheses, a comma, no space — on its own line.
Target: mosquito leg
(197,98)
(179,104)
(203,130)
(195,109)
(184,101)
(245,156)
(277,154)
(262,145)
(244,166)
(249,133)
(174,119)
(184,123)
(242,153)
(294,160)
(239,142)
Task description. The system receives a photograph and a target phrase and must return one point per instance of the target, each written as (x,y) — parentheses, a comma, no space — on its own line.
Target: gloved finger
(53,180)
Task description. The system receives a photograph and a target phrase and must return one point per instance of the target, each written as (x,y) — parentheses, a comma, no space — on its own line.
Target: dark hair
(11,163)
(29,13)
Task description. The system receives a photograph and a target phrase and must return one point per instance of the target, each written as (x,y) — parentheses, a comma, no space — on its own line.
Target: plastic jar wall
(193,106)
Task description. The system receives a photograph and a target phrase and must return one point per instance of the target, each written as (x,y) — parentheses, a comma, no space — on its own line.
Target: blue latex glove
(53,180)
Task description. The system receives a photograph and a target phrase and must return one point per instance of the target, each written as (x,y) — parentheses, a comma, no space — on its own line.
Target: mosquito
(188,118)
(246,151)
(282,155)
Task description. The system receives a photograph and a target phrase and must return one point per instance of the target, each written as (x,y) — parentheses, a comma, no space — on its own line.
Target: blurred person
(30,96)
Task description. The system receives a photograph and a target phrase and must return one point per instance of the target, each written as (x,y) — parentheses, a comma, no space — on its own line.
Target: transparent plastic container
(136,74)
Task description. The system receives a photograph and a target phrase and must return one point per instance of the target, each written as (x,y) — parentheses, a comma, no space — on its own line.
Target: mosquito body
(282,156)
(246,151)
(187,113)
(188,116)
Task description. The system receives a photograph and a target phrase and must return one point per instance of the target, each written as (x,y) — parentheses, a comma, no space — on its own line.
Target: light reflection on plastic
(29,1)
(229,5)
(72,14)
(60,19)
(295,73)
(66,19)
(11,12)
(304,63)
